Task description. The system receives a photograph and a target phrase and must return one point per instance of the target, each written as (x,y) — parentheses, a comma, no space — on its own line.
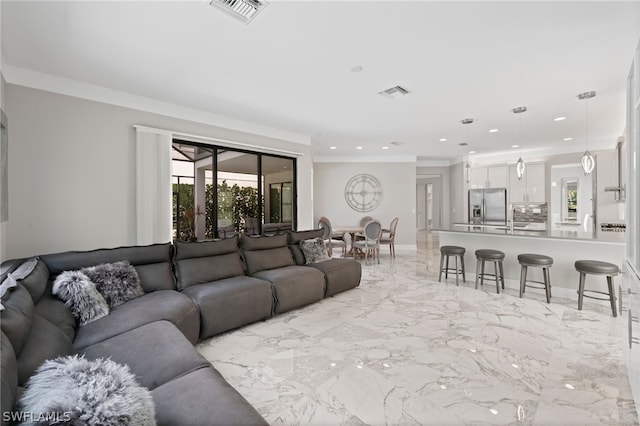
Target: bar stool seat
(445,253)
(597,267)
(536,260)
(490,255)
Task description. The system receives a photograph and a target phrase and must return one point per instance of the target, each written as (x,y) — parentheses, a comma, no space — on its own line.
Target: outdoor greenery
(235,204)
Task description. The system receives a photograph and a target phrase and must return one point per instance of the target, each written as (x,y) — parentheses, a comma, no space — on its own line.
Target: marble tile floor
(405,349)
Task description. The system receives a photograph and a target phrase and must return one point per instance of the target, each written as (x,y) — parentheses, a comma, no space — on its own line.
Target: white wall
(458,194)
(72,176)
(399,195)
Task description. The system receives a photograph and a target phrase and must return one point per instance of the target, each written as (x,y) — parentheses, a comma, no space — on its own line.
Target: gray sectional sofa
(192,291)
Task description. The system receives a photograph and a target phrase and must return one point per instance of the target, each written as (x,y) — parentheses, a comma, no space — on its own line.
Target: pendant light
(588,162)
(520,166)
(467,167)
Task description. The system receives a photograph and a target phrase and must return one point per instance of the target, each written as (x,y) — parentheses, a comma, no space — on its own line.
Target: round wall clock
(363,193)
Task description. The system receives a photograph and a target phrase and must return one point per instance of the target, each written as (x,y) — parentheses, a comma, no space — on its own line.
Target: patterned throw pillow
(118,282)
(79,294)
(315,250)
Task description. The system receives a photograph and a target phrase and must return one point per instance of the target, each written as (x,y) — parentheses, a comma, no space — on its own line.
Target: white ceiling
(291,67)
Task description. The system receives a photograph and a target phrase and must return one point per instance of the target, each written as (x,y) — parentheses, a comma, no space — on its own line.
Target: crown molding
(64,86)
(365,159)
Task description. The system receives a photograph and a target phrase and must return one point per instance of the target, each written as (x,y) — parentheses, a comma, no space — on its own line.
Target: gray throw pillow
(75,391)
(118,282)
(314,249)
(80,295)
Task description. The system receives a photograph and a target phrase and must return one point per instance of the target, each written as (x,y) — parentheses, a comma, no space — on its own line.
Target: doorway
(428,202)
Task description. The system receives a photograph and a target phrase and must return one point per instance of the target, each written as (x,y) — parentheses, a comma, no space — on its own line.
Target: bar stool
(456,252)
(489,255)
(597,267)
(541,260)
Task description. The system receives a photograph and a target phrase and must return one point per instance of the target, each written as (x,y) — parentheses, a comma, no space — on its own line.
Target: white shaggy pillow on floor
(77,391)
(80,295)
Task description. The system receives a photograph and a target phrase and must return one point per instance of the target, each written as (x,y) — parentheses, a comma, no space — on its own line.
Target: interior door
(421,206)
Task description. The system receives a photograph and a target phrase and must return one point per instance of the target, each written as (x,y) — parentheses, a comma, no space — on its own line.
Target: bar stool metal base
(495,256)
(445,253)
(537,260)
(596,267)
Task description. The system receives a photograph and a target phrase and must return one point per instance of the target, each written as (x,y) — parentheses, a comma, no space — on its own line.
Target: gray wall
(458,201)
(399,198)
(72,171)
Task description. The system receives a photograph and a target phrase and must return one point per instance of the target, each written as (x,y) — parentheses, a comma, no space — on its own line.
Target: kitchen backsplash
(530,212)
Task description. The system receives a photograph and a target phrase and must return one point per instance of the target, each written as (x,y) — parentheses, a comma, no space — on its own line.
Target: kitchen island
(565,247)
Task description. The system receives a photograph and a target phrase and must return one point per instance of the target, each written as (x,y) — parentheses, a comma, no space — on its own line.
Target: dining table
(352,230)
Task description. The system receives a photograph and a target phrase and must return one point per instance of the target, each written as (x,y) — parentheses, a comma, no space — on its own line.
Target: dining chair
(371,241)
(334,235)
(363,222)
(325,225)
(391,238)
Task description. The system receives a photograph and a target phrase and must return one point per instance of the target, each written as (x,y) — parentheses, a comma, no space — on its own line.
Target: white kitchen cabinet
(488,177)
(531,188)
(497,176)
(478,177)
(630,311)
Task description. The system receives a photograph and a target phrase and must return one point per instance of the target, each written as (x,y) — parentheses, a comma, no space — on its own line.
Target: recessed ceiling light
(472,152)
(356,68)
(559,118)
(385,147)
(567,139)
(493,131)
(358,147)
(443,139)
(515,146)
(332,147)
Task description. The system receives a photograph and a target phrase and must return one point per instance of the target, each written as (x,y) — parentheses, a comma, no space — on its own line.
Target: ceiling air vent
(244,10)
(394,92)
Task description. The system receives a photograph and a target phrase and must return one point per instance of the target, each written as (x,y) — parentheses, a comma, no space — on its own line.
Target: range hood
(619,190)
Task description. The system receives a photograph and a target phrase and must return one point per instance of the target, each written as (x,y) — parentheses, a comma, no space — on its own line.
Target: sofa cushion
(200,397)
(9,377)
(172,354)
(45,341)
(33,274)
(340,274)
(118,282)
(231,303)
(80,295)
(15,319)
(53,309)
(206,261)
(294,243)
(77,391)
(294,286)
(167,305)
(263,253)
(153,263)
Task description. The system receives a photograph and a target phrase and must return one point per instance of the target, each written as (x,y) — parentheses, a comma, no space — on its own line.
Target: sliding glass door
(219,192)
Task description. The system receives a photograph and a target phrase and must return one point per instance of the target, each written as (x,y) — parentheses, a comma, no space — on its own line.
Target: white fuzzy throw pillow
(76,391)
(80,295)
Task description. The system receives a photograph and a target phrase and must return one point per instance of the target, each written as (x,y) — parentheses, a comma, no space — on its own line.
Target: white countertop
(520,231)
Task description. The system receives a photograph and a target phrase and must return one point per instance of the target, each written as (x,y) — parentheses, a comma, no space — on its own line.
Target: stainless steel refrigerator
(488,206)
